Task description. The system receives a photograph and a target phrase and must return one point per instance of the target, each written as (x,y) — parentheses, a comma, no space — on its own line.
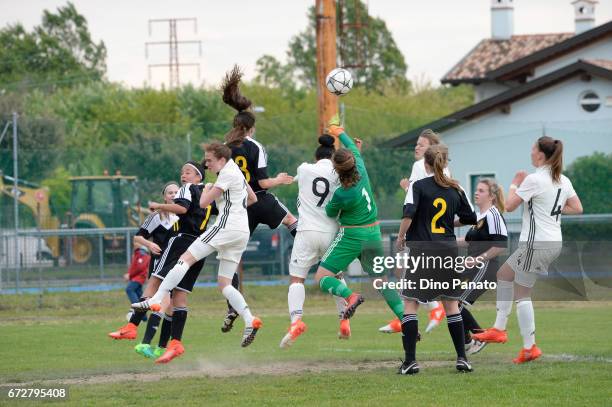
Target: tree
(60,51)
(372,46)
(592,180)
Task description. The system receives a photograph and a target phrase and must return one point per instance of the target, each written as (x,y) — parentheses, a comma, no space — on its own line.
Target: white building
(527,86)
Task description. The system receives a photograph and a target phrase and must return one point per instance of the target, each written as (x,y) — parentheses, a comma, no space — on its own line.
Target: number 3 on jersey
(441,203)
(242,163)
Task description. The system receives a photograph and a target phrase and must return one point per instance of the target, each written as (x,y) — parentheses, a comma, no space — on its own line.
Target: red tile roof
(602,63)
(491,54)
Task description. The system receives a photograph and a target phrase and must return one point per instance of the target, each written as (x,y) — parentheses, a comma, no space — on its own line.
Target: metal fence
(97,259)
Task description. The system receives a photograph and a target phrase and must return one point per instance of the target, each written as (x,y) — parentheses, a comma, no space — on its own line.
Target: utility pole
(173,64)
(326,59)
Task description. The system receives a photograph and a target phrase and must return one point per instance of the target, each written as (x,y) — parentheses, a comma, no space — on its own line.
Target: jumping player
(155,233)
(251,158)
(228,237)
(359,235)
(545,195)
(426,139)
(428,226)
(317,183)
(192,221)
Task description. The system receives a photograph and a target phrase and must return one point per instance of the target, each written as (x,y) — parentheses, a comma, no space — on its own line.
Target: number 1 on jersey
(367,197)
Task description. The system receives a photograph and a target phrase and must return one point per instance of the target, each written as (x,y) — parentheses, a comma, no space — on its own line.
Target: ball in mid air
(339,81)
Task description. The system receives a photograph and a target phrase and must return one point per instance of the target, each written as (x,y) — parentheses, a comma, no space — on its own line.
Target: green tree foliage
(591,177)
(372,46)
(58,52)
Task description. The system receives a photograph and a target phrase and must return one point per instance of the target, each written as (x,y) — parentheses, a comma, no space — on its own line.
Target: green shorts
(350,244)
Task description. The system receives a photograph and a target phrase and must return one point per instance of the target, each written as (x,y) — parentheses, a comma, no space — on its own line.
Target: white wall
(501,143)
(599,50)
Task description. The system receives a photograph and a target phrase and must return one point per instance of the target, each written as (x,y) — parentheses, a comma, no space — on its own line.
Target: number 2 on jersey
(438,202)
(367,197)
(242,163)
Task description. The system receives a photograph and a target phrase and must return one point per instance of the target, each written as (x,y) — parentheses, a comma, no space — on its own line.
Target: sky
(433,35)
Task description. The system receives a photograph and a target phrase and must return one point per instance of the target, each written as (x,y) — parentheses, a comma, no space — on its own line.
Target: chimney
(502,19)
(584,11)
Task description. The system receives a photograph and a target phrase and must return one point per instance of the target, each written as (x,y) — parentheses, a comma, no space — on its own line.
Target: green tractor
(106,201)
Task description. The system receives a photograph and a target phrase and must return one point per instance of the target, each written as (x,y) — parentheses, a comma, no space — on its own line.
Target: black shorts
(488,273)
(267,210)
(432,281)
(175,249)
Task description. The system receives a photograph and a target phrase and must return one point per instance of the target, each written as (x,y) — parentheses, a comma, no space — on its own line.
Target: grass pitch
(56,339)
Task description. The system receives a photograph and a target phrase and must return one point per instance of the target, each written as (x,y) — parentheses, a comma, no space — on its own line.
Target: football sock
(455,328)
(166,330)
(334,286)
(505,292)
(236,285)
(238,303)
(393,301)
(179,317)
(526,321)
(152,326)
(172,279)
(410,330)
(295,299)
(138,315)
(469,322)
(340,302)
(293,228)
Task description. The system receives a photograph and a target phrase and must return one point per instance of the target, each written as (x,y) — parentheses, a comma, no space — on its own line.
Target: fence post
(16,201)
(128,245)
(101,255)
(282,251)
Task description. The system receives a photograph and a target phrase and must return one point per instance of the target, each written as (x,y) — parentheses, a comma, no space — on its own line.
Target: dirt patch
(218,370)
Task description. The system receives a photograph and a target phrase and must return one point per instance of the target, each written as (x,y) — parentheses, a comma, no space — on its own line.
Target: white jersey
(317,184)
(544,200)
(418,173)
(233,202)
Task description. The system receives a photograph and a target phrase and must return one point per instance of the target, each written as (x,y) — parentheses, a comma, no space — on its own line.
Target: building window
(589,101)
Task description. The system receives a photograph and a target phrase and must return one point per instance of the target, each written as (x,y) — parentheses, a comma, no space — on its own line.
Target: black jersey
(489,231)
(158,228)
(432,209)
(194,221)
(251,158)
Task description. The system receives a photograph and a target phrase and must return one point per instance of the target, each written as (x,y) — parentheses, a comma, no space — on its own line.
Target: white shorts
(527,263)
(229,244)
(308,248)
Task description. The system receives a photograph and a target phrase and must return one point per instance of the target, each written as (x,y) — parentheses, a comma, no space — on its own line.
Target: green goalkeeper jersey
(354,206)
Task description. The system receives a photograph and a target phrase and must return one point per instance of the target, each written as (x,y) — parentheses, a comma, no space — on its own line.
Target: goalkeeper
(359,235)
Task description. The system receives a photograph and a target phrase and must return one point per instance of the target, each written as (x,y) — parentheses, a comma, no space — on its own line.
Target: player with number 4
(359,235)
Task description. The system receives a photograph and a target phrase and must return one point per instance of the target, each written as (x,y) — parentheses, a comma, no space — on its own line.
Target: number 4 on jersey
(556,209)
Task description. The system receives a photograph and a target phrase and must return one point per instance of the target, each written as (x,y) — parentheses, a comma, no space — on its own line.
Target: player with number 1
(359,235)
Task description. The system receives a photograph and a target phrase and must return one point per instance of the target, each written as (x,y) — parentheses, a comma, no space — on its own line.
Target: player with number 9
(316,184)
(359,235)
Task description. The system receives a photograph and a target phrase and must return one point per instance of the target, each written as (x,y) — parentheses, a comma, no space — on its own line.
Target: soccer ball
(339,81)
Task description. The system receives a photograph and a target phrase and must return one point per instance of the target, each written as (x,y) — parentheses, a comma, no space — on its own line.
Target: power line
(173,64)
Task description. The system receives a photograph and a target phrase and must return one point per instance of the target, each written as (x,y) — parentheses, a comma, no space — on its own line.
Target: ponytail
(496,192)
(346,167)
(436,157)
(553,151)
(244,120)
